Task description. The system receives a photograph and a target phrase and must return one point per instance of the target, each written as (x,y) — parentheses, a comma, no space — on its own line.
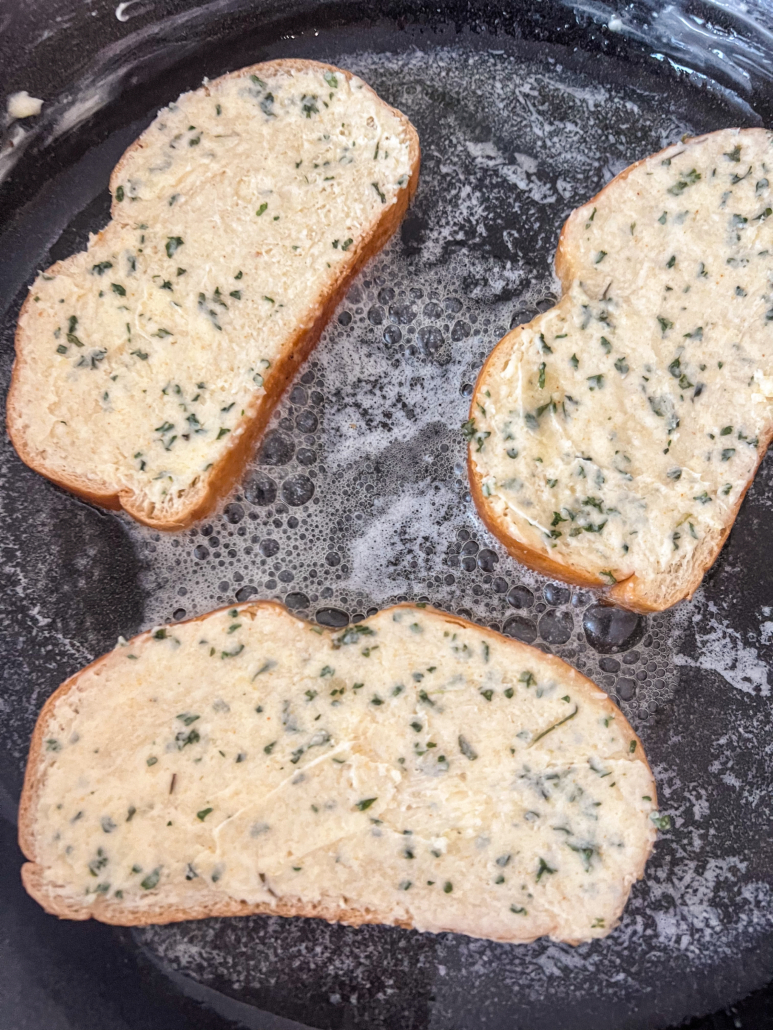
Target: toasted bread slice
(147,365)
(413,769)
(612,439)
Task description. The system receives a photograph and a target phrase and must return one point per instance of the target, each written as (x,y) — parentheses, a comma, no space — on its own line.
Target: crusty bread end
(199,498)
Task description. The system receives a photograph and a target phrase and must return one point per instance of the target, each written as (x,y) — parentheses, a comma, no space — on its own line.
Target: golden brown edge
(214,904)
(629,593)
(232,464)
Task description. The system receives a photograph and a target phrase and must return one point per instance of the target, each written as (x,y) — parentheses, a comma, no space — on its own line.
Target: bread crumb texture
(617,433)
(411,769)
(235,215)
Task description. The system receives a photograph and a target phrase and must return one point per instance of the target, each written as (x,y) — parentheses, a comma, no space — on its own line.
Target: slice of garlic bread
(413,769)
(147,365)
(613,438)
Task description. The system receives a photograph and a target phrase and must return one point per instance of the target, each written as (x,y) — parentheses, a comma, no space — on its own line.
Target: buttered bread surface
(236,216)
(411,769)
(613,438)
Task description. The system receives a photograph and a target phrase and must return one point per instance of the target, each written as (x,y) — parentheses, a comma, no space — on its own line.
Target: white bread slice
(147,365)
(612,439)
(413,769)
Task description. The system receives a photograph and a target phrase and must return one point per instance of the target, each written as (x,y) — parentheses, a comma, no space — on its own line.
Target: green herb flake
(685,180)
(232,654)
(555,725)
(544,868)
(352,634)
(466,748)
(151,880)
(309,105)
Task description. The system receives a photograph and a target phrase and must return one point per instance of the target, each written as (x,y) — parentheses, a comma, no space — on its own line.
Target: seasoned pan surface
(358,498)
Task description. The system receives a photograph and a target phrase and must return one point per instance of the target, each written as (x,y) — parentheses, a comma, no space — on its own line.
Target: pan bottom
(358,498)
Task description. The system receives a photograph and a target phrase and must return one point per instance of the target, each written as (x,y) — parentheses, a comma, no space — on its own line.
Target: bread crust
(631,593)
(210,903)
(247,432)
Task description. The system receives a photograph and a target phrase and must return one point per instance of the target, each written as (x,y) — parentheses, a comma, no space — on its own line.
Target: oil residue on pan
(358,498)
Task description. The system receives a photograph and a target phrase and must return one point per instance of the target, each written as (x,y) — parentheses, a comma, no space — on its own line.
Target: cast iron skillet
(524,109)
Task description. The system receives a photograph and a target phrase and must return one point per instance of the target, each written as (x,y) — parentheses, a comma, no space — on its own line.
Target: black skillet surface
(358,498)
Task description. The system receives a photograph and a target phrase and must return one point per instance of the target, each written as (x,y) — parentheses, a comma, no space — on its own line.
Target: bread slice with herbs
(147,365)
(612,439)
(413,769)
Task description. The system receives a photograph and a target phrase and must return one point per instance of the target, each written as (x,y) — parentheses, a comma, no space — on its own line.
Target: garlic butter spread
(414,766)
(616,432)
(232,216)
